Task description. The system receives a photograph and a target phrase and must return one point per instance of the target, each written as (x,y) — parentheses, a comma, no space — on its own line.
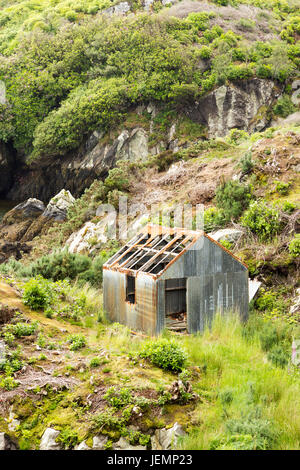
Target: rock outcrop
(29,219)
(48,441)
(29,209)
(166,439)
(231,235)
(77,170)
(82,446)
(58,206)
(123,444)
(99,442)
(237,105)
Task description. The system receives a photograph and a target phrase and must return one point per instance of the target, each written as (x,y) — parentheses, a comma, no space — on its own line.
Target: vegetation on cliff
(65,79)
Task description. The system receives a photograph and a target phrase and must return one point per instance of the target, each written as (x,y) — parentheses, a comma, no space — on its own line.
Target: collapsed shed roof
(153,249)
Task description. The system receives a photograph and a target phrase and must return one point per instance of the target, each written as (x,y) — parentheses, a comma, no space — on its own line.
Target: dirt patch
(184,181)
(229,18)
(30,378)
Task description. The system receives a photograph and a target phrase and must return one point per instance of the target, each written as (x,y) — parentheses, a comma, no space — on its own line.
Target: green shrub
(8,383)
(68,438)
(233,198)
(268,337)
(22,329)
(237,135)
(281,187)
(164,353)
(213,219)
(288,207)
(37,294)
(262,220)
(226,397)
(252,424)
(246,163)
(294,246)
(278,355)
(61,265)
(95,362)
(284,106)
(77,341)
(118,398)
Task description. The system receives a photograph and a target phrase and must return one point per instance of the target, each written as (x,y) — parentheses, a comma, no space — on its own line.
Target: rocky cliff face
(243,105)
(77,170)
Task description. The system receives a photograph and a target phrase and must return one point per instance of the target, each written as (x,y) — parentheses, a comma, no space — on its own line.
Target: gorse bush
(164,353)
(262,220)
(61,265)
(233,198)
(57,266)
(246,163)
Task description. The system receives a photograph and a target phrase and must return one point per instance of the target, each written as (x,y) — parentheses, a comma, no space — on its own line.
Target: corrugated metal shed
(175,278)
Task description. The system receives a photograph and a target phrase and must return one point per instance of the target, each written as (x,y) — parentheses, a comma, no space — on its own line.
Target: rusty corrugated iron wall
(138,316)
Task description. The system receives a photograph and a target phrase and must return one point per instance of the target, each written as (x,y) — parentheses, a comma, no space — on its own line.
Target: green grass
(232,362)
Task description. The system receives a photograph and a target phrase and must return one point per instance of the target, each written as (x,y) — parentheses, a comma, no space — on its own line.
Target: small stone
(82,446)
(48,441)
(99,442)
(166,439)
(6,443)
(123,444)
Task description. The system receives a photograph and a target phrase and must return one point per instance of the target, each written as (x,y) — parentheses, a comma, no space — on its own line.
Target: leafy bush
(213,219)
(8,383)
(294,246)
(246,163)
(95,362)
(118,398)
(233,198)
(77,341)
(237,135)
(284,106)
(288,207)
(68,438)
(37,294)
(22,329)
(164,353)
(61,265)
(262,220)
(281,187)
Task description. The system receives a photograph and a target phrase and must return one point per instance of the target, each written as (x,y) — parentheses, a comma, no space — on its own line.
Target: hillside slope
(164,104)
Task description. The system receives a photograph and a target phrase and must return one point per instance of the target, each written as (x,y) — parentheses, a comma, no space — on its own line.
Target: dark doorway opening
(130,289)
(176,311)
